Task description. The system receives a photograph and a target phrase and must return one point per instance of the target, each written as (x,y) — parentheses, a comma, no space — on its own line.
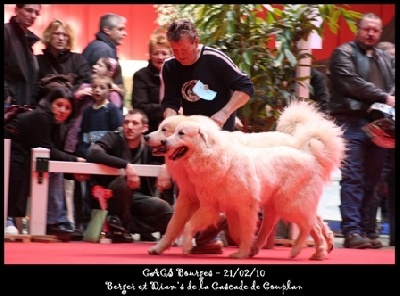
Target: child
(110,67)
(97,119)
(101,116)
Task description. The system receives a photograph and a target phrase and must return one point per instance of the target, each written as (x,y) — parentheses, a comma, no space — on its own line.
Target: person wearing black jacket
(43,127)
(146,81)
(20,66)
(135,199)
(360,75)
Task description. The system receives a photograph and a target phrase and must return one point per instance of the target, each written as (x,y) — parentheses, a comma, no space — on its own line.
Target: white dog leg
(300,241)
(320,243)
(248,218)
(183,210)
(266,229)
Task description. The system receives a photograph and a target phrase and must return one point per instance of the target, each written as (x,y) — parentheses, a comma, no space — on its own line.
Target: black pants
(139,213)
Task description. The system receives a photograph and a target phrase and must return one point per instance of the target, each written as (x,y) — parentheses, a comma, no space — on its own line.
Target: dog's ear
(204,136)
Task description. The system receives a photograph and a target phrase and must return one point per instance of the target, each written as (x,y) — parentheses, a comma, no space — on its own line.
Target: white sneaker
(11,229)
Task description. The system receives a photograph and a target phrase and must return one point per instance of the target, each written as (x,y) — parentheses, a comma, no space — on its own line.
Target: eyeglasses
(32,11)
(367,30)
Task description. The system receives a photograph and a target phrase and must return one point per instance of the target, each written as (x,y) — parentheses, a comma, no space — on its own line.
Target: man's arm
(102,152)
(238,99)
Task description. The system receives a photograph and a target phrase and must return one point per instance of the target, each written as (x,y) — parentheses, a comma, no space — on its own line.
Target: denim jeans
(361,171)
(57,205)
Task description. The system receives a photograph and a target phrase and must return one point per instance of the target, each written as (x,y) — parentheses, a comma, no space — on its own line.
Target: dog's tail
(324,139)
(297,114)
(314,132)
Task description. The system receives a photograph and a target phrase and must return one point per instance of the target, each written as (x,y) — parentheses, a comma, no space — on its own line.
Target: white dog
(236,179)
(296,114)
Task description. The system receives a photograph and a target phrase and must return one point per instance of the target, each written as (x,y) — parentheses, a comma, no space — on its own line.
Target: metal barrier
(42,166)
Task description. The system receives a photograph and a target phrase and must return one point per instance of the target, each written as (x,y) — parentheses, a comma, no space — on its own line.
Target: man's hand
(132,178)
(391,101)
(220,118)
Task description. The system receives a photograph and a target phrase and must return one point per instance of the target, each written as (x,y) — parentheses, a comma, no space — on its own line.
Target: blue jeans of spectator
(57,204)
(361,171)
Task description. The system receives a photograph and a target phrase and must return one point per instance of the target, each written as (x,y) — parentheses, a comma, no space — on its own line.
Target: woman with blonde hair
(146,81)
(57,58)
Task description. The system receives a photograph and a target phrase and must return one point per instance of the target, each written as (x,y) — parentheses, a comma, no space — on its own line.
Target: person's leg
(352,182)
(120,202)
(19,182)
(391,199)
(56,206)
(57,220)
(375,158)
(149,214)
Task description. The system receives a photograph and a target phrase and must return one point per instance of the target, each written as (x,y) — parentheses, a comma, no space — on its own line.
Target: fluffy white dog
(235,179)
(297,114)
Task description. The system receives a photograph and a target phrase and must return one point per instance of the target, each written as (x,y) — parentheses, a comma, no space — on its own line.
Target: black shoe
(115,223)
(78,233)
(375,243)
(356,241)
(392,244)
(121,237)
(59,228)
(147,237)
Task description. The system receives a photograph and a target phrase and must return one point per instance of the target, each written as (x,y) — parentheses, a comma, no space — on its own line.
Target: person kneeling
(135,200)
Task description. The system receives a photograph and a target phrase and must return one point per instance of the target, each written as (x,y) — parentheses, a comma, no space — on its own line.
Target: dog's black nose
(164,142)
(146,137)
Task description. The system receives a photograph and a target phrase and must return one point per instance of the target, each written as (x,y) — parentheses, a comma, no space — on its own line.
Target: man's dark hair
(23,5)
(179,29)
(133,111)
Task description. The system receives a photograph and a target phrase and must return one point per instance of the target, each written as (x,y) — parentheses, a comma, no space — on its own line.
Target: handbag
(13,110)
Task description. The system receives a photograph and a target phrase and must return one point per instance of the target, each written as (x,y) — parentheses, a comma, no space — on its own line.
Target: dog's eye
(181,133)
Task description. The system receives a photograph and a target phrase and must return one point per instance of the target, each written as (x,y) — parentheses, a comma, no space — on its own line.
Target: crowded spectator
(100,117)
(146,81)
(43,127)
(112,32)
(135,199)
(387,181)
(20,65)
(319,92)
(58,58)
(110,67)
(360,75)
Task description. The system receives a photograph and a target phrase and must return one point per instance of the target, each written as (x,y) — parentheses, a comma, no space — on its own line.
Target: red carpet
(79,268)
(136,253)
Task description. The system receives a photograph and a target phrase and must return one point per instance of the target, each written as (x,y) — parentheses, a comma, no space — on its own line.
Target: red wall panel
(84,18)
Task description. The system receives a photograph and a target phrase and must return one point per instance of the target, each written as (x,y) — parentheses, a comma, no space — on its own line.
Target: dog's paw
(254,251)
(318,256)
(154,251)
(295,251)
(239,255)
(158,249)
